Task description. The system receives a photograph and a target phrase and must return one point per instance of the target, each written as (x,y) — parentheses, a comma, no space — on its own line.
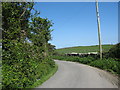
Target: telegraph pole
(99,34)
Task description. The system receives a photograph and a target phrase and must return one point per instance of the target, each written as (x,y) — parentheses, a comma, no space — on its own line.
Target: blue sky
(75,24)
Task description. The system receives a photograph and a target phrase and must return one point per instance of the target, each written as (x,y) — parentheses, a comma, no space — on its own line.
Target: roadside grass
(44,78)
(83,49)
(109,64)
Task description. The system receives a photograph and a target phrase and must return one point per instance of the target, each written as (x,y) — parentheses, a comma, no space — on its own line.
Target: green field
(84,49)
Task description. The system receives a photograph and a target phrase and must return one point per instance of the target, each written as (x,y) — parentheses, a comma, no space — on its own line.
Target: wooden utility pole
(99,34)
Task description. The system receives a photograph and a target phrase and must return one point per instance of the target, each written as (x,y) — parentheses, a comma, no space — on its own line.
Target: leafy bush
(107,64)
(23,66)
(114,52)
(25,56)
(84,60)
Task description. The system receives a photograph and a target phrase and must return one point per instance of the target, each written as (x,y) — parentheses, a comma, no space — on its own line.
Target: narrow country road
(75,75)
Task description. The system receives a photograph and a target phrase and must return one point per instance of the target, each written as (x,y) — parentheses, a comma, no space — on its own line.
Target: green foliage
(15,19)
(114,52)
(25,56)
(84,60)
(107,64)
(45,77)
(51,49)
(40,31)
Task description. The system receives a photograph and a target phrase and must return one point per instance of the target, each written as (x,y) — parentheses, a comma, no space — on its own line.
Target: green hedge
(25,47)
(22,68)
(107,64)
(84,60)
(114,52)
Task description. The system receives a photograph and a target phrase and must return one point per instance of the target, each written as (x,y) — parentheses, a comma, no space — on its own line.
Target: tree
(23,63)
(15,19)
(40,33)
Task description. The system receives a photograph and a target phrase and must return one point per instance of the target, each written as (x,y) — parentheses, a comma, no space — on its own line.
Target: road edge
(45,78)
(114,80)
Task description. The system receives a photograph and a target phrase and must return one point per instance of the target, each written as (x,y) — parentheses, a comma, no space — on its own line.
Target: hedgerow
(107,64)
(25,50)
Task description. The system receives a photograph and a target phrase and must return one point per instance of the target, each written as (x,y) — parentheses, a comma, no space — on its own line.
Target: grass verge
(45,78)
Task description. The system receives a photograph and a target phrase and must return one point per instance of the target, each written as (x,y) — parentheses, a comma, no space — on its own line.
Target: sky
(75,23)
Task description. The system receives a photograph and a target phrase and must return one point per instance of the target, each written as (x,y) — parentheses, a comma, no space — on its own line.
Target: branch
(23,12)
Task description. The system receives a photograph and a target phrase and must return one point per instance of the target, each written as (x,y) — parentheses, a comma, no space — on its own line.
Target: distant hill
(84,49)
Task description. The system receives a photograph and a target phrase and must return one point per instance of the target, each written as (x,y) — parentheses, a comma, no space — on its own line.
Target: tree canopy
(26,56)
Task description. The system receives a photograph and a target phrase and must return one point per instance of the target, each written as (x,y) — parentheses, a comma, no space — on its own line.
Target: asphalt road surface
(75,75)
